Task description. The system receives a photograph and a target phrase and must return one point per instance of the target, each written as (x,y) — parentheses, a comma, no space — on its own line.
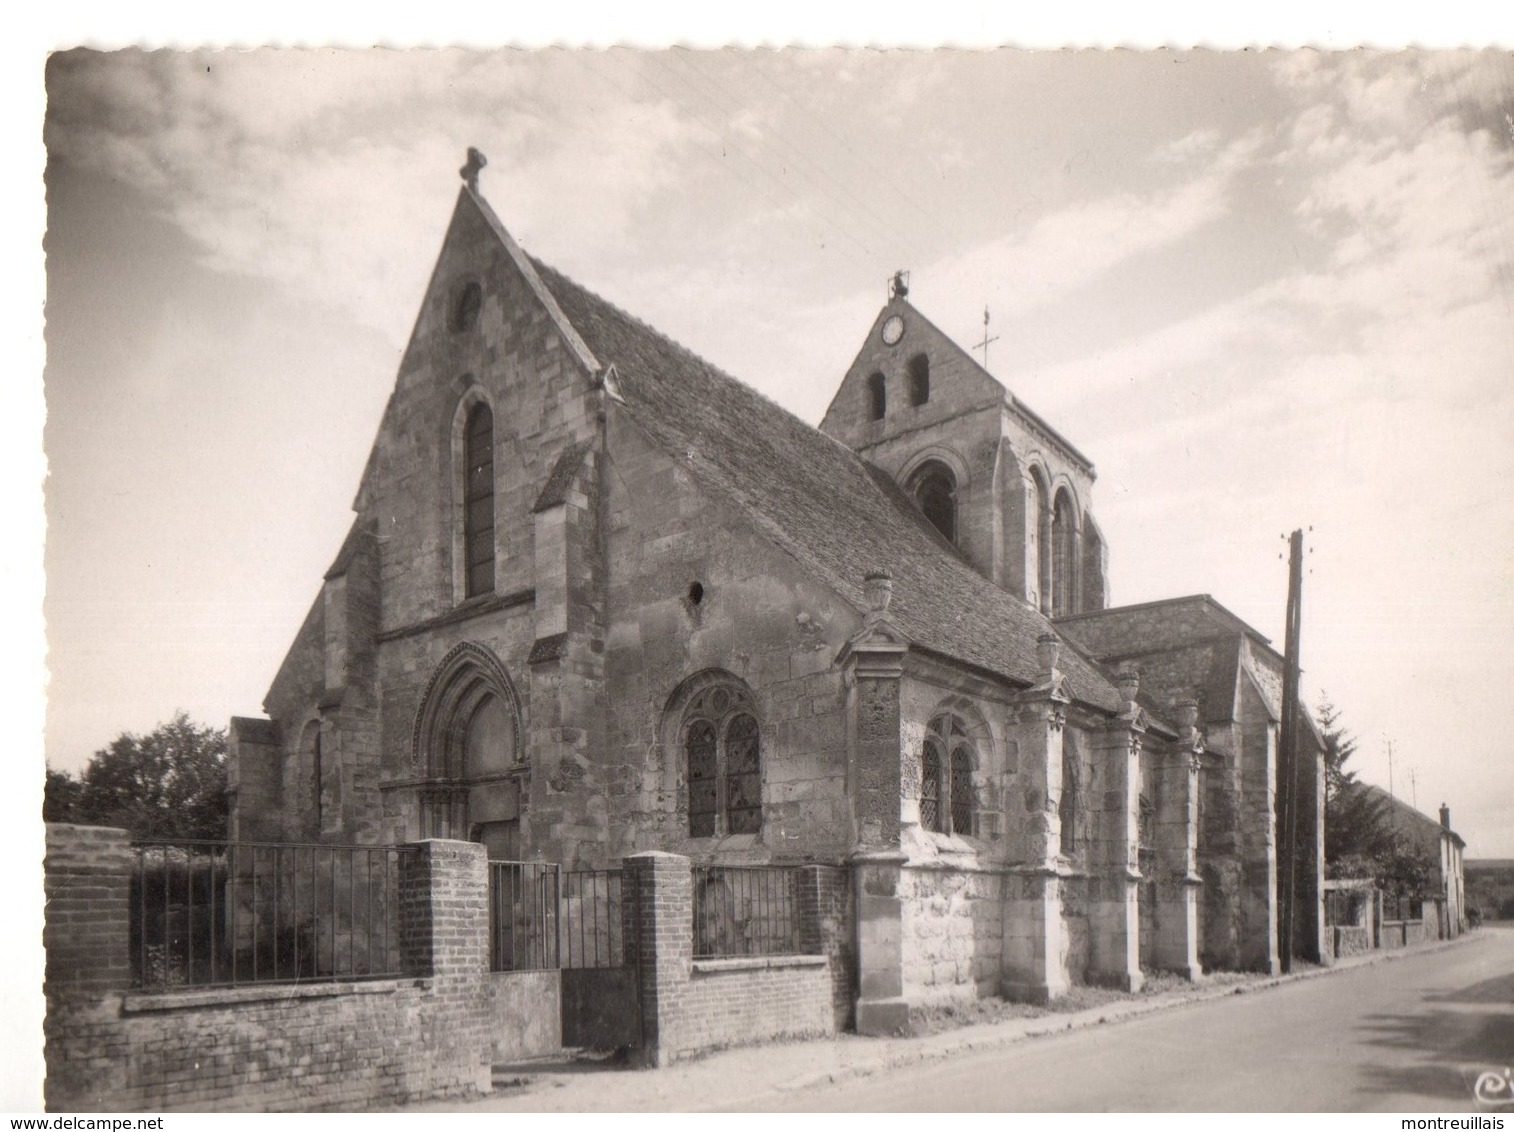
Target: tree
(60,796)
(1359,836)
(1363,836)
(169,783)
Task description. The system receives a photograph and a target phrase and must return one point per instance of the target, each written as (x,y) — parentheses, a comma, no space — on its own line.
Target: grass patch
(939,1018)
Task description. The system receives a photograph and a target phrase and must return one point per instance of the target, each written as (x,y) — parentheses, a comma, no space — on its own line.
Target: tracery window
(934,490)
(947,757)
(478,501)
(722,748)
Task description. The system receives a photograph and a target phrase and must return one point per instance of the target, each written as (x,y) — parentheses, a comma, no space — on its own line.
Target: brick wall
(689,1006)
(265,1048)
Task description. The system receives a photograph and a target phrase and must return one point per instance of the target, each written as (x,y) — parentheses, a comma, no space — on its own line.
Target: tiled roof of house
(815,498)
(1405,818)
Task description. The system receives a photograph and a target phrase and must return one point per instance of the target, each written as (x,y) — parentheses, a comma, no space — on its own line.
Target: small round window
(465,312)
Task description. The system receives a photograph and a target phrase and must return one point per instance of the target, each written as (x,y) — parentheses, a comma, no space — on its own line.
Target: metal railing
(523,915)
(745,911)
(208,914)
(592,919)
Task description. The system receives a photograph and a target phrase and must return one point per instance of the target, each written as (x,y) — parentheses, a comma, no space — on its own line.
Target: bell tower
(992,479)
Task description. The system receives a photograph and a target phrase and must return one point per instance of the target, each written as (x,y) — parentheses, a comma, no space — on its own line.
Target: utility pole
(1288,753)
(1391,794)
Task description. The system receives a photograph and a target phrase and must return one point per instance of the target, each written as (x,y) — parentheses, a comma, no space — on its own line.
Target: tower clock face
(893,330)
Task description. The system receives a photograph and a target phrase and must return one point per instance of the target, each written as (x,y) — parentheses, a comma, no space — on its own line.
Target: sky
(1261,290)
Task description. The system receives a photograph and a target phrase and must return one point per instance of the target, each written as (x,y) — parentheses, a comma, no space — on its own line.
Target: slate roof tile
(837,515)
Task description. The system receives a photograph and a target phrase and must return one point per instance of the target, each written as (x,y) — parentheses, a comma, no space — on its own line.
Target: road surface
(1393,1036)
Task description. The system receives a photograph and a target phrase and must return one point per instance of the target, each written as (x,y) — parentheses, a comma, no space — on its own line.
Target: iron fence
(206,914)
(745,911)
(523,915)
(593,922)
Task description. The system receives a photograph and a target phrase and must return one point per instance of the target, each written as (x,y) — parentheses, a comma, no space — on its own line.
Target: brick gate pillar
(1033,962)
(86,880)
(443,905)
(1114,927)
(659,946)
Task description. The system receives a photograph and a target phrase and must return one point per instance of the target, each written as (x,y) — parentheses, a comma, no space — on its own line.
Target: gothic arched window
(478,501)
(1038,531)
(877,397)
(722,751)
(1064,567)
(934,490)
(947,757)
(919,380)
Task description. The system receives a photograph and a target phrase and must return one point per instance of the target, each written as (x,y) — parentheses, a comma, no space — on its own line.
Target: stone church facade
(599,597)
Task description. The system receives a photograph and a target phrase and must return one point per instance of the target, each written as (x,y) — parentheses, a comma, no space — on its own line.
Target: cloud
(283,165)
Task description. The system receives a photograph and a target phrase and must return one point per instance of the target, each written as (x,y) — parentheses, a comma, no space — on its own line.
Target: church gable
(495,384)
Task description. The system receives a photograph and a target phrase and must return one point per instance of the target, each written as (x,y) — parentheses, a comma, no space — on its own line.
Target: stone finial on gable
(1048,652)
(1188,723)
(469,172)
(878,587)
(1128,682)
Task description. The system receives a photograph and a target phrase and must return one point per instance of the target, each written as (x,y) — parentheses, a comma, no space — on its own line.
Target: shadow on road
(1475,1027)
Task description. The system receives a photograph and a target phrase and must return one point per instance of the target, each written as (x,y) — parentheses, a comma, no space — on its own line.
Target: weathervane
(983,345)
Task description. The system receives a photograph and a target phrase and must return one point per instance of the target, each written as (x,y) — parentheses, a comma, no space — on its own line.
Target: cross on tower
(469,172)
(983,345)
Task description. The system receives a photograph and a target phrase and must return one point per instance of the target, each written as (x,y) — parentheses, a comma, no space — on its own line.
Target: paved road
(1395,1036)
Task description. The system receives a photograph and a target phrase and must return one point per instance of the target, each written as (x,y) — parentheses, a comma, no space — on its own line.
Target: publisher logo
(1492,1088)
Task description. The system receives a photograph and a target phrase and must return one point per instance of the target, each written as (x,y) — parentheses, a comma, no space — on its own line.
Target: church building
(599,597)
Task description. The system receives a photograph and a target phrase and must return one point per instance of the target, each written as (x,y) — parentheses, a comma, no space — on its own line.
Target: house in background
(599,597)
(1437,843)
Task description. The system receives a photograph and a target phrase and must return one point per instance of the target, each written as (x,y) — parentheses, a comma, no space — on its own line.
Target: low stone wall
(1352,940)
(263,1048)
(1405,933)
(952,928)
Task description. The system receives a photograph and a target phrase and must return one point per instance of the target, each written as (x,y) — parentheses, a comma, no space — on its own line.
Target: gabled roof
(1405,818)
(1212,609)
(814,497)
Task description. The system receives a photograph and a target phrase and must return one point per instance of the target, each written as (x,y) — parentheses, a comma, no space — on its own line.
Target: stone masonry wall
(264,1048)
(952,928)
(753,614)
